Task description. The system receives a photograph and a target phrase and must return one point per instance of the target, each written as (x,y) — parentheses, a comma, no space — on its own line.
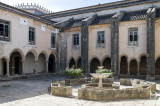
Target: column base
(115,73)
(128,74)
(7,75)
(148,77)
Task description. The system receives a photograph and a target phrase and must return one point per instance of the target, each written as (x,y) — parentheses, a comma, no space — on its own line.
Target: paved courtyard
(34,92)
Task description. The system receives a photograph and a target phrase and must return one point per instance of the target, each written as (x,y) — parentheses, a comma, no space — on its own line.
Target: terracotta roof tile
(135,15)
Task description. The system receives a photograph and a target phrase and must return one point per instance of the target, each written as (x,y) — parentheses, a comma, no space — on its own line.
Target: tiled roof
(158,13)
(74,23)
(102,19)
(135,15)
(96,8)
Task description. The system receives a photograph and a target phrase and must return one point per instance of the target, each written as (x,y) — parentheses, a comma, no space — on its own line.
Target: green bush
(104,71)
(73,73)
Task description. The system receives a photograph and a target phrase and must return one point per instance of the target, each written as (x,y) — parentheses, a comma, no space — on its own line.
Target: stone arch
(143,65)
(139,59)
(55,55)
(16,59)
(157,66)
(52,63)
(72,63)
(124,55)
(157,58)
(94,63)
(107,63)
(123,65)
(133,67)
(78,62)
(45,53)
(96,58)
(34,53)
(41,67)
(6,58)
(30,62)
(19,51)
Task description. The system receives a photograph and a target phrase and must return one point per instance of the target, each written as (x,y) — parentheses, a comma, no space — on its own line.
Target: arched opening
(157,67)
(41,63)
(4,66)
(133,67)
(94,65)
(72,63)
(123,65)
(143,66)
(107,63)
(51,64)
(79,63)
(29,63)
(15,63)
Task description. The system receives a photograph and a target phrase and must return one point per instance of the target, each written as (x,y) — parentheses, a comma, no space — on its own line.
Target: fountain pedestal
(100,77)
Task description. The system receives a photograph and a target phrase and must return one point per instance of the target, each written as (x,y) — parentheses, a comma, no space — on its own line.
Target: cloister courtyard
(34,92)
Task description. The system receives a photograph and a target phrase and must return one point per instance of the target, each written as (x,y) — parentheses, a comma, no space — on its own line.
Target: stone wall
(103,95)
(61,90)
(72,82)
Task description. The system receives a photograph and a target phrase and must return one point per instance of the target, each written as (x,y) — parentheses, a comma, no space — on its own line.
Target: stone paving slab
(34,92)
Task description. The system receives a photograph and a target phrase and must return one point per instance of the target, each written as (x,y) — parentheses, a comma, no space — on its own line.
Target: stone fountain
(100,76)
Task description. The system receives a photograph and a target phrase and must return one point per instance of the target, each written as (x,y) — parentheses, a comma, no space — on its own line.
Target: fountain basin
(113,94)
(105,86)
(103,75)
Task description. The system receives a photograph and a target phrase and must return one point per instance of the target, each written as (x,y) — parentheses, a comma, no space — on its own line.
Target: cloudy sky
(59,5)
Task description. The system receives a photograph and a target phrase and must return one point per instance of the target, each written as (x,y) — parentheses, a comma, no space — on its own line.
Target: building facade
(121,36)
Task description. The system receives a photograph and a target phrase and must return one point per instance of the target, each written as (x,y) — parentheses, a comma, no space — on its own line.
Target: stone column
(128,69)
(56,70)
(62,46)
(36,67)
(1,67)
(151,43)
(46,66)
(62,51)
(8,74)
(115,42)
(23,73)
(85,44)
(119,73)
(13,66)
(138,65)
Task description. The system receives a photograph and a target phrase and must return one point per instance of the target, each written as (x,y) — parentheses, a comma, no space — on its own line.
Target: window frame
(75,46)
(101,45)
(3,37)
(55,35)
(33,43)
(133,43)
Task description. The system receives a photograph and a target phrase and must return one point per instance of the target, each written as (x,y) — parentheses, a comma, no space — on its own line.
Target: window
(133,37)
(75,40)
(53,40)
(100,39)
(4,31)
(31,36)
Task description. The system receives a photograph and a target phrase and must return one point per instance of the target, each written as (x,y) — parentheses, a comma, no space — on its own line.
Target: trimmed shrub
(73,73)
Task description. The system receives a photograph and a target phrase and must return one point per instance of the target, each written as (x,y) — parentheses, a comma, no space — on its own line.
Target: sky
(59,5)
